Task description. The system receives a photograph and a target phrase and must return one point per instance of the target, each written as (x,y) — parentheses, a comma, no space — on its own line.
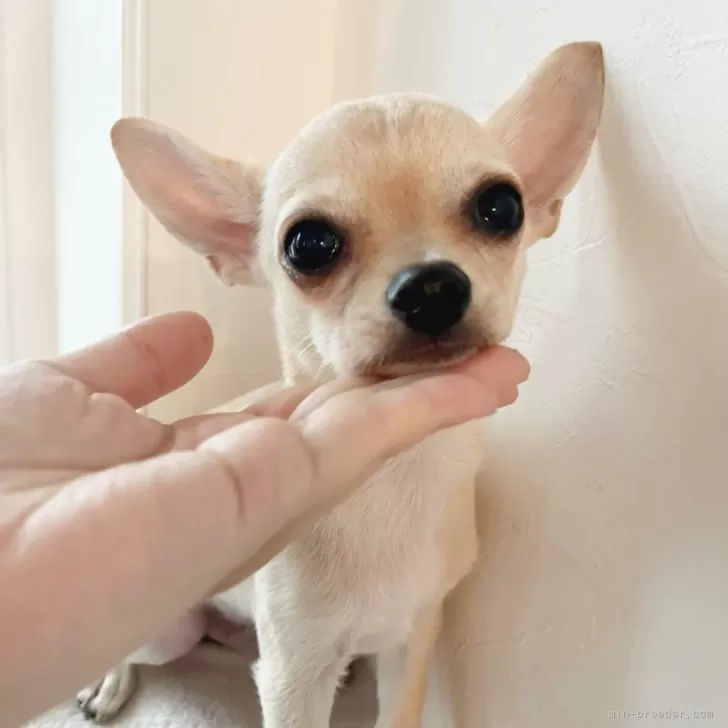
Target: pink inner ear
(208,202)
(226,244)
(234,237)
(548,126)
(197,217)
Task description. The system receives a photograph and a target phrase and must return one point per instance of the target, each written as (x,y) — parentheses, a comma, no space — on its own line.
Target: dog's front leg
(297,675)
(102,700)
(402,673)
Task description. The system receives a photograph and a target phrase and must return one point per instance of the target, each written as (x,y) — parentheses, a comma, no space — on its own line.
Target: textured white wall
(603,584)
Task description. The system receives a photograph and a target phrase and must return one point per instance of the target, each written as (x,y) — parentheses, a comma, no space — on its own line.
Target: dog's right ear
(208,202)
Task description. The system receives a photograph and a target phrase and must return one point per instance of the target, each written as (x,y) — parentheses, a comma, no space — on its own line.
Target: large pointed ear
(210,203)
(548,126)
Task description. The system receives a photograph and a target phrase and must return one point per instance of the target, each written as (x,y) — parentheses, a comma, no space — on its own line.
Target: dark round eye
(498,210)
(311,246)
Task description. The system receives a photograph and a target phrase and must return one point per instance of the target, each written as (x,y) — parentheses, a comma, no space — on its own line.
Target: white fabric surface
(215,693)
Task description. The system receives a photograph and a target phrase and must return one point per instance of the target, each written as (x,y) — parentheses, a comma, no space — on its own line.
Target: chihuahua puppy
(393,232)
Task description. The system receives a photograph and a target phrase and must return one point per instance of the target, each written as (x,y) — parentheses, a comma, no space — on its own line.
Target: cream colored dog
(393,232)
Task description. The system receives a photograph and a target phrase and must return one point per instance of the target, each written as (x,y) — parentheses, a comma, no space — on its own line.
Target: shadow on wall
(600,586)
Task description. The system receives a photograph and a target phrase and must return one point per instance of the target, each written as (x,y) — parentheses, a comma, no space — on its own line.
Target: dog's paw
(102,701)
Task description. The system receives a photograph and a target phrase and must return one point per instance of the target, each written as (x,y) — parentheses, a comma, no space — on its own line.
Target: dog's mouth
(416,357)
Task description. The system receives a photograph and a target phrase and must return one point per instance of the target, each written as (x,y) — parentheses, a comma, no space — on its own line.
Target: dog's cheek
(495,308)
(329,339)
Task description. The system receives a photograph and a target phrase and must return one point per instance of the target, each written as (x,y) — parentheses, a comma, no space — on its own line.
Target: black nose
(429,298)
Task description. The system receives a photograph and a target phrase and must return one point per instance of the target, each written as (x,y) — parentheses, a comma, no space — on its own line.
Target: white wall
(87,100)
(602,585)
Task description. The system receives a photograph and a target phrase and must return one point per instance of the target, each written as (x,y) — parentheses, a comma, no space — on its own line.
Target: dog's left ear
(207,202)
(548,126)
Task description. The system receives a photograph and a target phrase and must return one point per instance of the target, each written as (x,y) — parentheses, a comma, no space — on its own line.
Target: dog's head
(392,230)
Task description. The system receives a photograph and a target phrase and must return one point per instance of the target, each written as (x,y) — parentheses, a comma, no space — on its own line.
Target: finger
(319,396)
(146,361)
(380,420)
(250,398)
(282,403)
(354,431)
(189,433)
(498,367)
(271,400)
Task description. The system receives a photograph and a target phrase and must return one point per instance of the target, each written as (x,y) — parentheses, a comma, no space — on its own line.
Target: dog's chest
(368,568)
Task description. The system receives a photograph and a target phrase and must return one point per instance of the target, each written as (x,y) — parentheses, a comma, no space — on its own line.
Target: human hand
(113,524)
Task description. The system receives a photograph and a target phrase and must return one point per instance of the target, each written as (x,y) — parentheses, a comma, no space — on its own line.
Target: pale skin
(100,505)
